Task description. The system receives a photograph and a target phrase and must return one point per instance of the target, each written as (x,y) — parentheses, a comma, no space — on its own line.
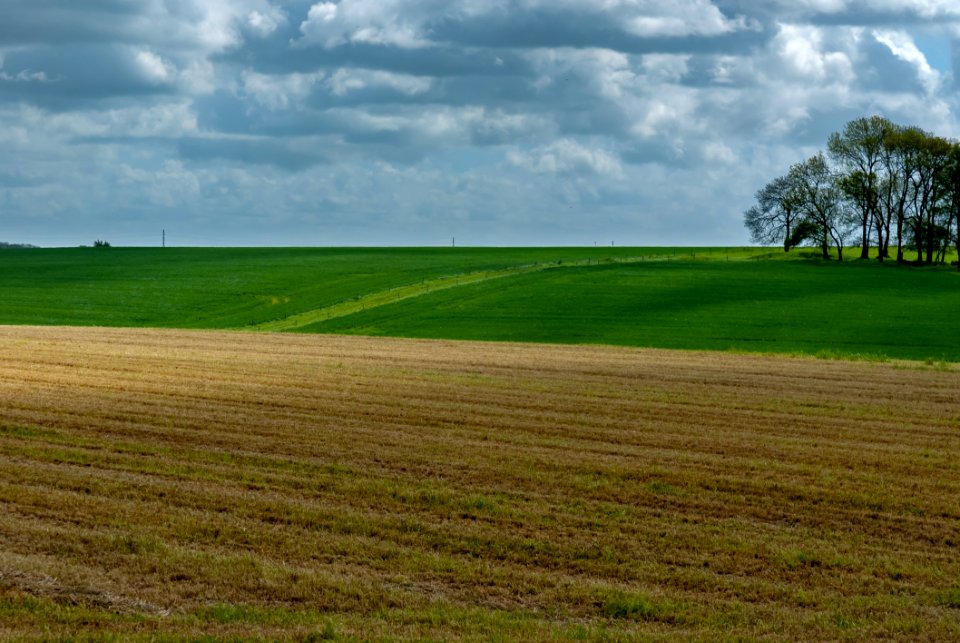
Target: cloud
(345,81)
(802,51)
(279,91)
(414,24)
(903,47)
(397,119)
(155,69)
(374,22)
(569,158)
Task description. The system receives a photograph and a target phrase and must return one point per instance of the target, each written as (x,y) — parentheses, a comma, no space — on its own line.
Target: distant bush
(4,244)
(99,243)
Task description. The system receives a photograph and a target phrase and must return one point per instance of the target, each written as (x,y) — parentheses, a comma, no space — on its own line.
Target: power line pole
(164,238)
(453,242)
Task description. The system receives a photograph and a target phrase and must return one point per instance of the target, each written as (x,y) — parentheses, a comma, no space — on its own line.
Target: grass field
(749,300)
(158,483)
(756,306)
(232,287)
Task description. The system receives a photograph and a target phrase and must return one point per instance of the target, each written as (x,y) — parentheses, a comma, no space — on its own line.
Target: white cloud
(346,80)
(568,157)
(25,76)
(803,52)
(406,23)
(902,46)
(154,68)
(265,23)
(926,9)
(375,22)
(279,91)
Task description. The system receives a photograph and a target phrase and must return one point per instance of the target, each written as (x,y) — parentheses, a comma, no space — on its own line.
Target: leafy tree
(858,149)
(900,158)
(894,181)
(821,205)
(776,213)
(951,178)
(932,157)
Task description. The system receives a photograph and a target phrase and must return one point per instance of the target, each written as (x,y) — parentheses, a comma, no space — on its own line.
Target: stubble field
(158,483)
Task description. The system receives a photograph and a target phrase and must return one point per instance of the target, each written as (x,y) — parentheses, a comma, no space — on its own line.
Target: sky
(414,122)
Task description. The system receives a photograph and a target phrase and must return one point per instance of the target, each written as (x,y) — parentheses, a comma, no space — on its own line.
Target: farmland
(231,287)
(748,300)
(162,483)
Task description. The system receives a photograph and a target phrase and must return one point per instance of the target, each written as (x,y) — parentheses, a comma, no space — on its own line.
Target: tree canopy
(879,184)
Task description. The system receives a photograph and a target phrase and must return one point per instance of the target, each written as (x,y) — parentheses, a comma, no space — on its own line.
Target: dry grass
(183,484)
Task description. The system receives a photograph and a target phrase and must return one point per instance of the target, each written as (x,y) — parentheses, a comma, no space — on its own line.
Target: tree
(858,150)
(774,216)
(860,195)
(884,175)
(899,160)
(951,177)
(821,205)
(932,155)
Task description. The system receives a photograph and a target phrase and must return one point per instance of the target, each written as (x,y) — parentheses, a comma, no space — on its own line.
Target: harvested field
(169,483)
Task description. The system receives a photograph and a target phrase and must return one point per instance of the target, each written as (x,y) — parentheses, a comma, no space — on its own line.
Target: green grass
(233,287)
(755,300)
(855,309)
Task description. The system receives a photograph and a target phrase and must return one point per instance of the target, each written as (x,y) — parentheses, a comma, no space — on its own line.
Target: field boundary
(427,286)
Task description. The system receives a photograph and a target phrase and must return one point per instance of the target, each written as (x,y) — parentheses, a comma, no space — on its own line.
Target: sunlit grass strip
(381,298)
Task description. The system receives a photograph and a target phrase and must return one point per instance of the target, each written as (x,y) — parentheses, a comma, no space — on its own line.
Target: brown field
(168,484)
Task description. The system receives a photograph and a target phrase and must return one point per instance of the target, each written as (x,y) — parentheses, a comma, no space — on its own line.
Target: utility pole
(164,238)
(453,242)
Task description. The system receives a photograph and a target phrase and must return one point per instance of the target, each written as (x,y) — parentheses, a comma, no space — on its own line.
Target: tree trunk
(918,237)
(957,214)
(900,235)
(865,244)
(880,248)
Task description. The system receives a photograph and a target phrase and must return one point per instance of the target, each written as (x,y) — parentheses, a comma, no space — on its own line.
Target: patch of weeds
(135,544)
(941,364)
(629,605)
(795,559)
(328,633)
(831,354)
(477,502)
(664,489)
(23,431)
(225,613)
(596,551)
(842,622)
(949,598)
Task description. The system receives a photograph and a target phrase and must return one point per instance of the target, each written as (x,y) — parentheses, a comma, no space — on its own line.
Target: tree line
(880,184)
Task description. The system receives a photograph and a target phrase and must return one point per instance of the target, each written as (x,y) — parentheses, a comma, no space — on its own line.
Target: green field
(228,287)
(716,299)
